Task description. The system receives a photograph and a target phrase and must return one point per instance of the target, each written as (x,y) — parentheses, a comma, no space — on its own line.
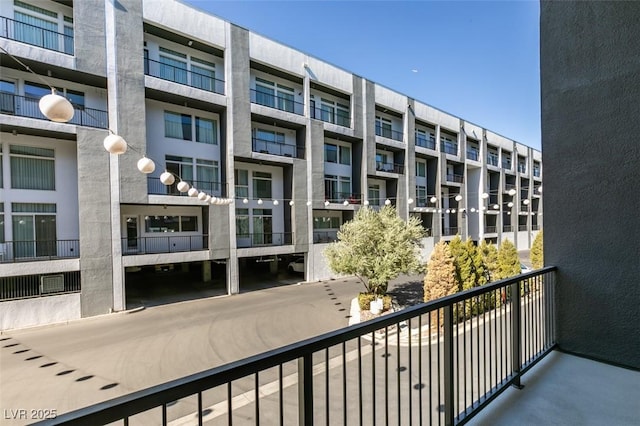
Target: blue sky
(478,60)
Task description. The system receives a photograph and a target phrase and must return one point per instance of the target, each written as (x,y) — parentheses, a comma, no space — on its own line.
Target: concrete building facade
(297,143)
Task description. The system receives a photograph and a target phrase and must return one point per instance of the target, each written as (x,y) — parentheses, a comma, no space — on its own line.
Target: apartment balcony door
(7,97)
(34,235)
(132,240)
(262,229)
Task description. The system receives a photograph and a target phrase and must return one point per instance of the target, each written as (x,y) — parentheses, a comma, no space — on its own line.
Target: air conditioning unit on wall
(51,283)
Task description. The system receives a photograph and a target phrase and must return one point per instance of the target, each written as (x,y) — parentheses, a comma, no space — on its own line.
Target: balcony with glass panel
(425,140)
(199,77)
(39,32)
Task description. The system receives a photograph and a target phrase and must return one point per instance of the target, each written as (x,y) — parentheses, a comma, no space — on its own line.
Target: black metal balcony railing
(522,227)
(183,76)
(338,117)
(35,36)
(490,229)
(28,107)
(506,165)
(26,286)
(422,201)
(449,149)
(492,159)
(439,362)
(522,168)
(164,244)
(390,167)
(535,227)
(341,197)
(156,187)
(277,102)
(264,239)
(507,228)
(35,251)
(473,154)
(320,237)
(425,142)
(389,134)
(276,148)
(455,178)
(509,186)
(536,172)
(450,231)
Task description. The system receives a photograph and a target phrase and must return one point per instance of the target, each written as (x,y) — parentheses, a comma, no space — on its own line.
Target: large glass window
(261,185)
(262,226)
(421,195)
(7,96)
(242,183)
(207,175)
(345,155)
(34,229)
(32,168)
(383,127)
(374,194)
(35,25)
(265,92)
(421,169)
(242,222)
(449,145)
(155,224)
(177,126)
(326,222)
(330,153)
(173,66)
(1,222)
(203,74)
(206,131)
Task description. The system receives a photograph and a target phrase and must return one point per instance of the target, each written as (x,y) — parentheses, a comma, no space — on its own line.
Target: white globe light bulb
(387,202)
(245,201)
(276,202)
(146,165)
(433,200)
(213,200)
(512,192)
(192,192)
(458,197)
(309,203)
(345,202)
(365,202)
(260,201)
(167,178)
(484,195)
(525,202)
(56,108)
(291,203)
(115,144)
(410,201)
(183,186)
(326,203)
(510,204)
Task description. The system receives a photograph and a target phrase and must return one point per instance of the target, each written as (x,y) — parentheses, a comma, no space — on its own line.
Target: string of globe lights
(59,109)
(495,207)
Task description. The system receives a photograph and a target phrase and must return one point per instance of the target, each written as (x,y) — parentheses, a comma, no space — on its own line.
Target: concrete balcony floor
(564,389)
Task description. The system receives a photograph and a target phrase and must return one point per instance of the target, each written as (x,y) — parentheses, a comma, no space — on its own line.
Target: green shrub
(364,300)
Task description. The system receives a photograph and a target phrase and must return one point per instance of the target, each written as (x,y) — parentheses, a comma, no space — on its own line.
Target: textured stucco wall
(590,75)
(38,311)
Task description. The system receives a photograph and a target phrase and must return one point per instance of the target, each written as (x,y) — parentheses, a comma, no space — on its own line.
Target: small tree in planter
(537,253)
(440,280)
(376,247)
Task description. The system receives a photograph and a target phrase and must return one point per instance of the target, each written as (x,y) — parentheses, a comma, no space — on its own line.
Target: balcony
(522,227)
(509,186)
(490,229)
(492,159)
(450,231)
(422,141)
(37,251)
(321,237)
(389,133)
(473,154)
(506,164)
(507,228)
(341,197)
(277,102)
(164,244)
(449,149)
(452,177)
(438,362)
(39,285)
(264,239)
(338,117)
(390,167)
(183,76)
(156,187)
(276,148)
(35,36)
(522,168)
(22,106)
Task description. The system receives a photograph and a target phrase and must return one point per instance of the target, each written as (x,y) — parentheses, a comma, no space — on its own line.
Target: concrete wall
(590,88)
(39,311)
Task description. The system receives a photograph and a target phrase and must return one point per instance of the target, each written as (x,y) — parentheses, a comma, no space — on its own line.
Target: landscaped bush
(364,300)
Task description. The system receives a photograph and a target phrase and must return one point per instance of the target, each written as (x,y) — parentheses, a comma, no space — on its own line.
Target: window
(492,157)
(337,188)
(7,96)
(421,195)
(155,224)
(274,95)
(1,222)
(34,229)
(449,145)
(35,90)
(1,169)
(76,98)
(173,66)
(270,142)
(203,74)
(383,127)
(262,226)
(35,25)
(374,194)
(326,222)
(207,175)
(177,126)
(242,183)
(421,168)
(206,131)
(330,153)
(506,161)
(242,222)
(68,35)
(337,153)
(32,168)
(536,169)
(261,185)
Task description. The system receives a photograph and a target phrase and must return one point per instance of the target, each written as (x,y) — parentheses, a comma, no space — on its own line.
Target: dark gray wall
(590,75)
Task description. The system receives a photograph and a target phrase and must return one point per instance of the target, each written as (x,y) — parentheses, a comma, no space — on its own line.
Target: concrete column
(206,271)
(273,266)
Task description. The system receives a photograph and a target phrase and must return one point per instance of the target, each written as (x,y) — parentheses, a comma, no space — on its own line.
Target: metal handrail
(338,117)
(425,142)
(448,149)
(38,36)
(156,187)
(38,250)
(390,167)
(341,197)
(183,76)
(24,106)
(320,237)
(164,244)
(389,134)
(263,239)
(452,177)
(525,303)
(277,102)
(277,148)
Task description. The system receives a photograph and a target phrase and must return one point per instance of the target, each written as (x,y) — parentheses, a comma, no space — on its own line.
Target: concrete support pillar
(206,271)
(233,278)
(273,266)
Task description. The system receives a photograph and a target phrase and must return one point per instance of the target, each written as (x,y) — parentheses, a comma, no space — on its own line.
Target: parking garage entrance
(261,272)
(162,284)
